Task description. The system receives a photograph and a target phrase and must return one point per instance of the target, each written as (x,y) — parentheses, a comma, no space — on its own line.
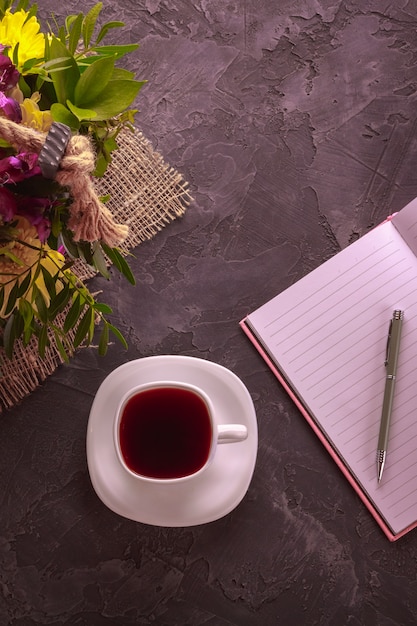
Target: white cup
(168,432)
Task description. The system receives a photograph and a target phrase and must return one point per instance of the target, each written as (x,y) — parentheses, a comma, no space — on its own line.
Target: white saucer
(199,500)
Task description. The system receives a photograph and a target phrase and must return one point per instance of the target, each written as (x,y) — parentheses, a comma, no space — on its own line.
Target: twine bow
(90,220)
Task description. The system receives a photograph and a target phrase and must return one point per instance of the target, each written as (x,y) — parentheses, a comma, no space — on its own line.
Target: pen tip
(381,455)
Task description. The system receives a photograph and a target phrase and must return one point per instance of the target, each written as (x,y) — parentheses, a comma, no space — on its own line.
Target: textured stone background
(295,124)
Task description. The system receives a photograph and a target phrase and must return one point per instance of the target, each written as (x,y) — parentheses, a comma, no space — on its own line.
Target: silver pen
(391,362)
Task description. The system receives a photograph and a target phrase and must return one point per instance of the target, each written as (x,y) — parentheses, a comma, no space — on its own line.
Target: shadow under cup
(166,432)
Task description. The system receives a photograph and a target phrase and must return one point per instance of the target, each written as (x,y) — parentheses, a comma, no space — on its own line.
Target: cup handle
(231,433)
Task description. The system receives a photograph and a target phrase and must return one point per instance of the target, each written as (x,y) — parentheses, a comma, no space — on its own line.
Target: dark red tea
(165,433)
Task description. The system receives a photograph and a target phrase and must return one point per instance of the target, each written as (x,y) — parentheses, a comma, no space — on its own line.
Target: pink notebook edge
(341,465)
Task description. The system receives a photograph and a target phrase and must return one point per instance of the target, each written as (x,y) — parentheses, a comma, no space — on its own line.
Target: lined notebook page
(328,332)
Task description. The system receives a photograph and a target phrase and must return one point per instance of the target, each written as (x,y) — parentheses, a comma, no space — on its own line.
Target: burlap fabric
(146,194)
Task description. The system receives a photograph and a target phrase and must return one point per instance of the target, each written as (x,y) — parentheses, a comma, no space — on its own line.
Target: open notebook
(325,338)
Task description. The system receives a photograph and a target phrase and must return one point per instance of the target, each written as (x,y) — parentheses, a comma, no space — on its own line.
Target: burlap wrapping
(146,194)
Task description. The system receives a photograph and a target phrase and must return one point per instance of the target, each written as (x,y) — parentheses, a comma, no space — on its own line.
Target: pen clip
(387,351)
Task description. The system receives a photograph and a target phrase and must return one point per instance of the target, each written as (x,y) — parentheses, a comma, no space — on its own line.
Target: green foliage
(62,69)
(31,308)
(92,95)
(17,6)
(80,82)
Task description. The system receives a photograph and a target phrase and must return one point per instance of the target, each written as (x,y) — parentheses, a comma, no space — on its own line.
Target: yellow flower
(32,116)
(15,29)
(29,251)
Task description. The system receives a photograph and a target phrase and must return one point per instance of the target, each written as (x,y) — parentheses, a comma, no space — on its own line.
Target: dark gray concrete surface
(295,125)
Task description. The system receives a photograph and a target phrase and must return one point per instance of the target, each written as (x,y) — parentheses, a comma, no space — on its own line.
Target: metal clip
(387,350)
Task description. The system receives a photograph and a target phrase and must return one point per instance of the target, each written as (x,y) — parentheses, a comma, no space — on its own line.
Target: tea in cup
(168,431)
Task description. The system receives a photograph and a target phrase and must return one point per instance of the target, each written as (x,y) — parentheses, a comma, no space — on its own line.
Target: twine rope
(90,220)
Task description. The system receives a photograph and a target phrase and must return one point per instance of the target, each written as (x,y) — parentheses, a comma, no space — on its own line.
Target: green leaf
(27,335)
(56,224)
(113,254)
(49,282)
(40,305)
(24,285)
(100,262)
(104,340)
(67,265)
(74,32)
(118,96)
(18,324)
(86,61)
(85,252)
(60,346)
(101,165)
(42,79)
(73,314)
(27,313)
(43,341)
(60,113)
(6,252)
(26,90)
(103,308)
(66,74)
(81,114)
(22,5)
(69,20)
(121,74)
(117,51)
(109,145)
(105,29)
(119,262)
(127,272)
(93,322)
(32,11)
(16,54)
(57,64)
(84,328)
(11,300)
(89,23)
(70,245)
(26,310)
(60,301)
(9,337)
(93,81)
(36,273)
(116,332)
(62,34)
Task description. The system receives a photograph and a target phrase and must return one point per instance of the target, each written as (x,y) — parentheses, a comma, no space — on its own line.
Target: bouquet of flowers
(62,80)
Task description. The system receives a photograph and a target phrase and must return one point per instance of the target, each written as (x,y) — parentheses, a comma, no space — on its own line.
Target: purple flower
(13,169)
(8,205)
(10,108)
(36,210)
(9,75)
